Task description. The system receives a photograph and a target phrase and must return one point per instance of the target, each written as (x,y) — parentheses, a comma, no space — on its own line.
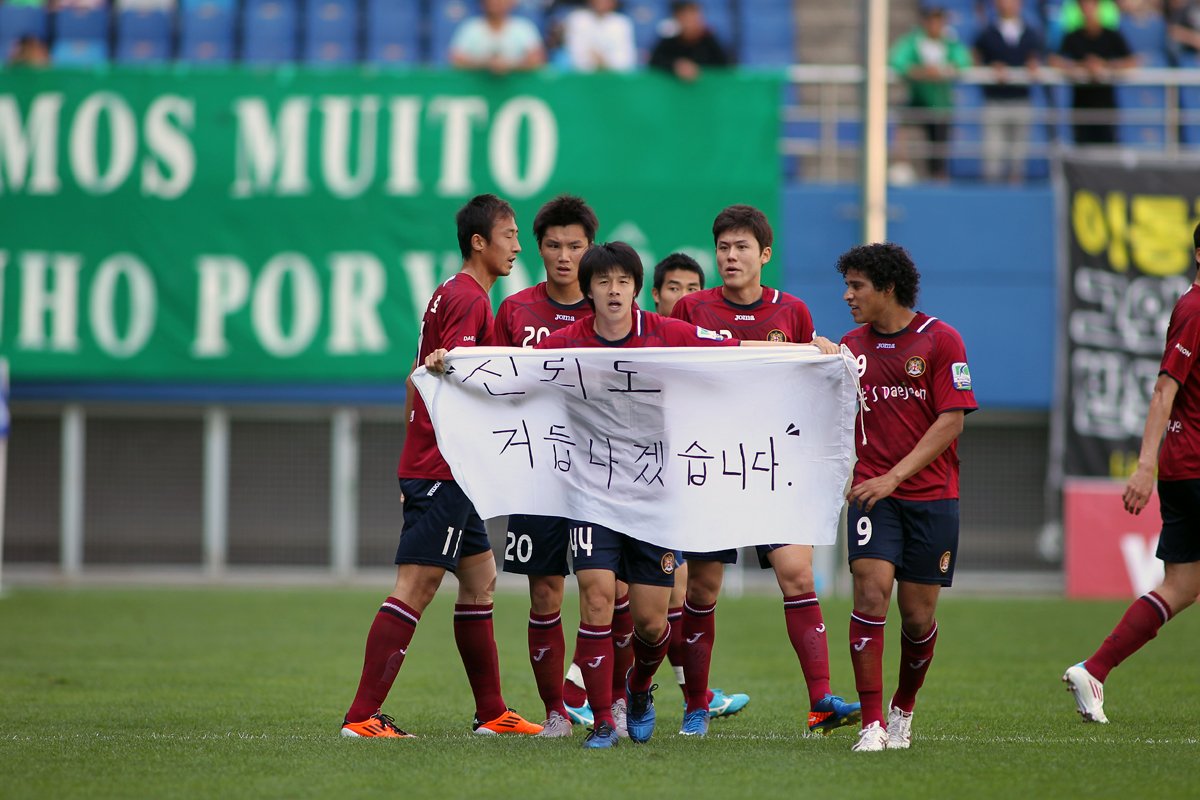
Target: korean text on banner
(692,449)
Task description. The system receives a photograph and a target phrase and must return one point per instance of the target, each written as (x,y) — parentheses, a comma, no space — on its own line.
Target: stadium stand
(269,31)
(393,32)
(206,31)
(331,32)
(144,37)
(17,20)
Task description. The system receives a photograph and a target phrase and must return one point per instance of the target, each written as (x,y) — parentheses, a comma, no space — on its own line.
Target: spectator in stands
(497,41)
(692,47)
(599,38)
(29,51)
(1005,43)
(929,58)
(1091,57)
(1183,27)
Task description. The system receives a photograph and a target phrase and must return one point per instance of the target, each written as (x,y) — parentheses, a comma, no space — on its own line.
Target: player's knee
(596,604)
(795,580)
(704,586)
(650,629)
(545,597)
(870,598)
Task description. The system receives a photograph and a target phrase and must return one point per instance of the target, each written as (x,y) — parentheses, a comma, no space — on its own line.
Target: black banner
(1129,256)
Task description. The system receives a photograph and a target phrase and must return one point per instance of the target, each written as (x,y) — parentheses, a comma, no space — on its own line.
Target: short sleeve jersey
(458,315)
(1179,458)
(649,330)
(909,378)
(529,316)
(776,317)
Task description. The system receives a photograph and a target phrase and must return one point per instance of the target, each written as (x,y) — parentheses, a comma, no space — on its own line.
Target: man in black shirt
(1091,56)
(694,46)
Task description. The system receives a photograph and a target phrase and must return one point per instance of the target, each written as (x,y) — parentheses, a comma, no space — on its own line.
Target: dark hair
(748,218)
(886,266)
(566,210)
(673,262)
(605,257)
(1196,237)
(479,216)
(680,5)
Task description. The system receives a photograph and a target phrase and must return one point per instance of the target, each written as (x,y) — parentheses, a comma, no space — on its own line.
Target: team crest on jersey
(777,336)
(960,373)
(667,563)
(915,367)
(944,563)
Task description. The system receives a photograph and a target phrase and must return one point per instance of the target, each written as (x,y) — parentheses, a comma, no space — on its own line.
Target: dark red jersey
(776,317)
(529,316)
(1179,458)
(458,315)
(649,330)
(909,378)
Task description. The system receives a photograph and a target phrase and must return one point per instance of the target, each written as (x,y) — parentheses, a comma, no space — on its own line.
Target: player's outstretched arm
(944,430)
(1141,483)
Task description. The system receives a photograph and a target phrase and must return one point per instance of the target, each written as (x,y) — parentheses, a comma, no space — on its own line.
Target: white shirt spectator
(478,41)
(599,41)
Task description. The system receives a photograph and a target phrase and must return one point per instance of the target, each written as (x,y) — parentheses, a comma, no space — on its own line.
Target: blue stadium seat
(18,21)
(269,31)
(966,134)
(206,30)
(79,52)
(767,35)
(1147,35)
(144,37)
(1141,116)
(331,32)
(647,16)
(393,31)
(75,23)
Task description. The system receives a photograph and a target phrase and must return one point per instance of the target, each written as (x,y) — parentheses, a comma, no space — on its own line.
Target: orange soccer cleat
(378,726)
(508,722)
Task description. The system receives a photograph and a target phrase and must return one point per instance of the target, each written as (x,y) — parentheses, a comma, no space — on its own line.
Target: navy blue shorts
(723,556)
(632,560)
(440,525)
(1179,502)
(919,536)
(764,552)
(536,545)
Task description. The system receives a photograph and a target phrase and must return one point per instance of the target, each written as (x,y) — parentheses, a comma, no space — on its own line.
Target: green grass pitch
(239,693)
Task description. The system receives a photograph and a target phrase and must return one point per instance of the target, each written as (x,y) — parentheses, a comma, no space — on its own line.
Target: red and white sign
(1109,552)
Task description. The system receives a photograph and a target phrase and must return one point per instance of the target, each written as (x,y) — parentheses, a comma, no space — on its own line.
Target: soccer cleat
(639,714)
(601,736)
(871,739)
(695,723)
(508,722)
(556,726)
(619,715)
(377,726)
(581,715)
(899,729)
(726,705)
(832,712)
(1089,693)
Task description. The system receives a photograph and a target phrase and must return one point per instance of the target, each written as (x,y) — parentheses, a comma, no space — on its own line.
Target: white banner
(689,448)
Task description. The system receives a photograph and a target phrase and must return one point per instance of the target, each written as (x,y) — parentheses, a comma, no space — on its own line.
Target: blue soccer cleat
(832,712)
(726,705)
(639,712)
(581,715)
(695,723)
(600,737)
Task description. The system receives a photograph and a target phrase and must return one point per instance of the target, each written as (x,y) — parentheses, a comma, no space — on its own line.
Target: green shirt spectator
(928,58)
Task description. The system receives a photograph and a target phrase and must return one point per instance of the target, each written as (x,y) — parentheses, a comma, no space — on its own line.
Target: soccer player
(676,276)
(1174,414)
(441,529)
(565,228)
(744,309)
(903,500)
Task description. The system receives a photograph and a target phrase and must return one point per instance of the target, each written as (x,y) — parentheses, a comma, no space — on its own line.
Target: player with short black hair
(675,276)
(441,530)
(903,502)
(1170,445)
(536,546)
(743,308)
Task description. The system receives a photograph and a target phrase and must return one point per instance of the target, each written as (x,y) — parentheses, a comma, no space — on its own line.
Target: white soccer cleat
(556,727)
(1089,693)
(871,739)
(899,729)
(618,712)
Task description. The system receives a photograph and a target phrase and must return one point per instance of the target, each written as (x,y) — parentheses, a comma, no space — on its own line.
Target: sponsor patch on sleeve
(960,373)
(705,333)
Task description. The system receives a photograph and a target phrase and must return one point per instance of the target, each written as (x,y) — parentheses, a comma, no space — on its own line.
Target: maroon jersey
(776,317)
(458,315)
(529,316)
(909,378)
(1179,458)
(649,330)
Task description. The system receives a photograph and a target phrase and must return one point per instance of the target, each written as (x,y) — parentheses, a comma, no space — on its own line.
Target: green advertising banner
(290,226)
